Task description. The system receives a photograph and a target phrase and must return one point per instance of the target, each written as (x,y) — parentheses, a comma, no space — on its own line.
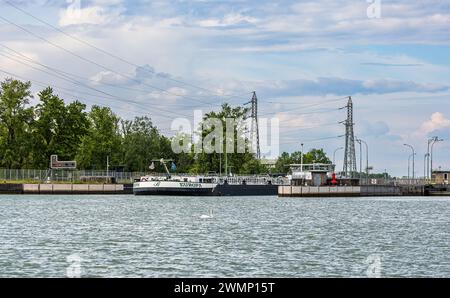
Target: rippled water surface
(127,236)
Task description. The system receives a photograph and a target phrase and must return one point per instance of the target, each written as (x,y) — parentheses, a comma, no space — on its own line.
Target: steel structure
(350,155)
(254,130)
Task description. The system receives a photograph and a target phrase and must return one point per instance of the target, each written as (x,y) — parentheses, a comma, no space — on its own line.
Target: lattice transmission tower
(254,130)
(350,155)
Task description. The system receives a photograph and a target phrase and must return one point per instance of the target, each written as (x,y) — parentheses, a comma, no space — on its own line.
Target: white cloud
(99,14)
(227,20)
(108,77)
(436,122)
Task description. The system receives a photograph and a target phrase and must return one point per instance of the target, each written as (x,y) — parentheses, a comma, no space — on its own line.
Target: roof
(441,171)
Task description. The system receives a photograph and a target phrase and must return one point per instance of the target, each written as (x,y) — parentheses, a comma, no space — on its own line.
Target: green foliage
(238,162)
(30,134)
(15,121)
(313,156)
(58,129)
(102,140)
(142,143)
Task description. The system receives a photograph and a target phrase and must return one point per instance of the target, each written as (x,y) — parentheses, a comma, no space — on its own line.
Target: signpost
(55,164)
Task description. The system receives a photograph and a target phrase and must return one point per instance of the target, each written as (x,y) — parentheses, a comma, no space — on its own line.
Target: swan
(204,216)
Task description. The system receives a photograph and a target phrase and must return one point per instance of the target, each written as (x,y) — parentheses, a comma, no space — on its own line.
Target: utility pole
(107,166)
(350,156)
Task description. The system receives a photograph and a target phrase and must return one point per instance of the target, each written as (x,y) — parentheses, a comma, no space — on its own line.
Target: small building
(441,176)
(311,174)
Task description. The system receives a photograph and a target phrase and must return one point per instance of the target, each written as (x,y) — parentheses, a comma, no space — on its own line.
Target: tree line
(30,134)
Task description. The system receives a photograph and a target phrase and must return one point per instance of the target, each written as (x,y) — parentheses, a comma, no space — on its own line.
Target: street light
(334,154)
(302,158)
(432,145)
(409,165)
(360,158)
(430,141)
(414,161)
(425,158)
(367,155)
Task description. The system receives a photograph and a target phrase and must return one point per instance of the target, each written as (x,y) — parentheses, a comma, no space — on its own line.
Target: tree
(58,128)
(15,121)
(313,156)
(142,143)
(215,160)
(102,140)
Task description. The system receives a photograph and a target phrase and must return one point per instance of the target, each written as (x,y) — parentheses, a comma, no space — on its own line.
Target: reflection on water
(126,236)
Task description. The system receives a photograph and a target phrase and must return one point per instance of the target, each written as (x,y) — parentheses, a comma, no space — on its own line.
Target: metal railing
(78,176)
(41,176)
(396,182)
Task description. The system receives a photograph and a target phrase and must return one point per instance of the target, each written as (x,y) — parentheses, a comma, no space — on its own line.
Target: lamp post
(367,158)
(425,158)
(409,166)
(431,154)
(334,154)
(360,158)
(413,161)
(301,167)
(430,141)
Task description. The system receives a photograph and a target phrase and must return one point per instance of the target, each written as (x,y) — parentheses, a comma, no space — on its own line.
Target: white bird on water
(204,216)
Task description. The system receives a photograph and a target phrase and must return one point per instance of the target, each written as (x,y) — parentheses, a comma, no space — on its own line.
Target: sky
(165,59)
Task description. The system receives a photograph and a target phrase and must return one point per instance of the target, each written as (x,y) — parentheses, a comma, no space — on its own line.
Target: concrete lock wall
(340,191)
(319,191)
(74,189)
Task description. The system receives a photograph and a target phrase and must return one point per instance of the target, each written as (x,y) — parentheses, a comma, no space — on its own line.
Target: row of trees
(30,134)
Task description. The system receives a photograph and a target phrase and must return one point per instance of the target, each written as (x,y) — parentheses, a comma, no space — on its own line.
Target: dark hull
(220,190)
(172,191)
(246,190)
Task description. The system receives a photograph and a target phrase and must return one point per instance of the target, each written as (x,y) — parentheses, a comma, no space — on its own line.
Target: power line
(98,64)
(312,140)
(300,103)
(310,106)
(92,88)
(106,52)
(309,127)
(76,96)
(306,113)
(69,75)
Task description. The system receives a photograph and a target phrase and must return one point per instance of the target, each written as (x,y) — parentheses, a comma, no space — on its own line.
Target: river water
(127,236)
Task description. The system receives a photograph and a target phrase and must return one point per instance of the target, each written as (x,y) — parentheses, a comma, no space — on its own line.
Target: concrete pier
(350,191)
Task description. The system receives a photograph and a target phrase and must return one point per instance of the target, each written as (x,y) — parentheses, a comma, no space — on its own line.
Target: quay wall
(66,189)
(348,191)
